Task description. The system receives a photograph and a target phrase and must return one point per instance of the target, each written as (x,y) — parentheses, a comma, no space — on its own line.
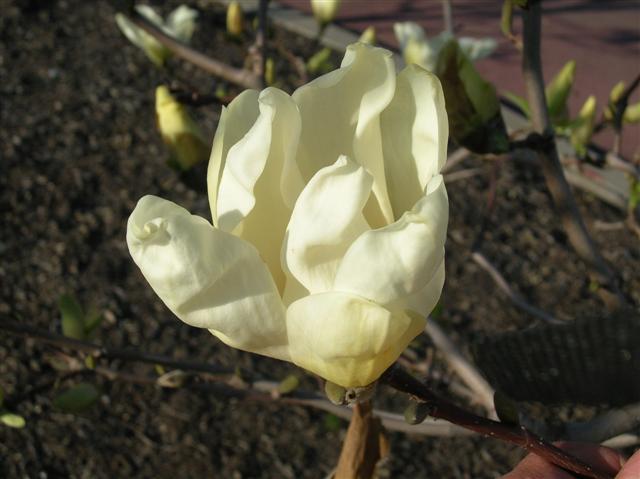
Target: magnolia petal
(340,116)
(415,130)
(182,22)
(208,278)
(235,121)
(425,300)
(327,218)
(345,338)
(250,203)
(389,264)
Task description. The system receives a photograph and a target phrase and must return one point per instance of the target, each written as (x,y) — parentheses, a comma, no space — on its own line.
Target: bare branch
(481,260)
(548,156)
(240,77)
(463,367)
(402,381)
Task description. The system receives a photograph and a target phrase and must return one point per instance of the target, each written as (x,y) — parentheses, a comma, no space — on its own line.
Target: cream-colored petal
(235,122)
(390,264)
(327,218)
(181,22)
(345,338)
(425,300)
(341,116)
(250,201)
(415,131)
(154,50)
(208,278)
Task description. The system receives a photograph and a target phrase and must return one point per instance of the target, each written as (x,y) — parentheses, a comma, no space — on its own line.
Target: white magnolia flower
(180,24)
(325,10)
(329,221)
(417,48)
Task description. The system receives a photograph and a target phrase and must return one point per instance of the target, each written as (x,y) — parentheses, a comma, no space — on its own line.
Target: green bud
(235,19)
(416,412)
(288,384)
(582,127)
(179,131)
(557,92)
(368,36)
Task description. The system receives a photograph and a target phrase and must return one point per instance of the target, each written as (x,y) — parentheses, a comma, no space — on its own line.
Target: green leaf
(336,394)
(77,398)
(332,423)
(475,120)
(634,195)
(92,320)
(12,420)
(520,102)
(558,90)
(72,317)
(506,409)
(288,384)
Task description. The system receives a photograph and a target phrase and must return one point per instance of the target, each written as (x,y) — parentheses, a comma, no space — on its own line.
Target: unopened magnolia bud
(416,412)
(325,10)
(179,131)
(235,19)
(369,35)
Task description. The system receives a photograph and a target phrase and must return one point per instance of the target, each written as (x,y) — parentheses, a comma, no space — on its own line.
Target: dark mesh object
(593,360)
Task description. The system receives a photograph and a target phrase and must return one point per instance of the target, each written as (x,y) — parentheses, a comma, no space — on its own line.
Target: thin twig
(548,156)
(461,365)
(402,381)
(111,353)
(481,260)
(240,77)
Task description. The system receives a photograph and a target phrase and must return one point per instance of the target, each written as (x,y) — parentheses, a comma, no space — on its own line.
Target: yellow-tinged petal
(415,131)
(258,172)
(341,116)
(327,218)
(154,50)
(347,339)
(208,278)
(390,264)
(181,23)
(325,10)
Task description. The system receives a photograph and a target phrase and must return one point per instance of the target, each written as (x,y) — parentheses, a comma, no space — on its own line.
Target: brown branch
(240,77)
(402,381)
(548,157)
(361,449)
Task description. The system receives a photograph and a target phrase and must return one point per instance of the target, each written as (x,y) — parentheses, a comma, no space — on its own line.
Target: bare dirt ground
(78,147)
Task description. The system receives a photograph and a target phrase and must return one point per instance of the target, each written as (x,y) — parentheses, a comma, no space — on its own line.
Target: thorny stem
(401,380)
(548,156)
(240,77)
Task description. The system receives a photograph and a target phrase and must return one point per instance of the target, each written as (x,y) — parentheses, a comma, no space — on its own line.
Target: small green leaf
(558,90)
(288,384)
(72,317)
(634,195)
(506,409)
(92,320)
(12,420)
(77,398)
(332,423)
(520,102)
(582,127)
(473,108)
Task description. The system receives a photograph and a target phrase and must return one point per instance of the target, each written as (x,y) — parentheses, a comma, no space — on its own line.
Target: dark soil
(78,147)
